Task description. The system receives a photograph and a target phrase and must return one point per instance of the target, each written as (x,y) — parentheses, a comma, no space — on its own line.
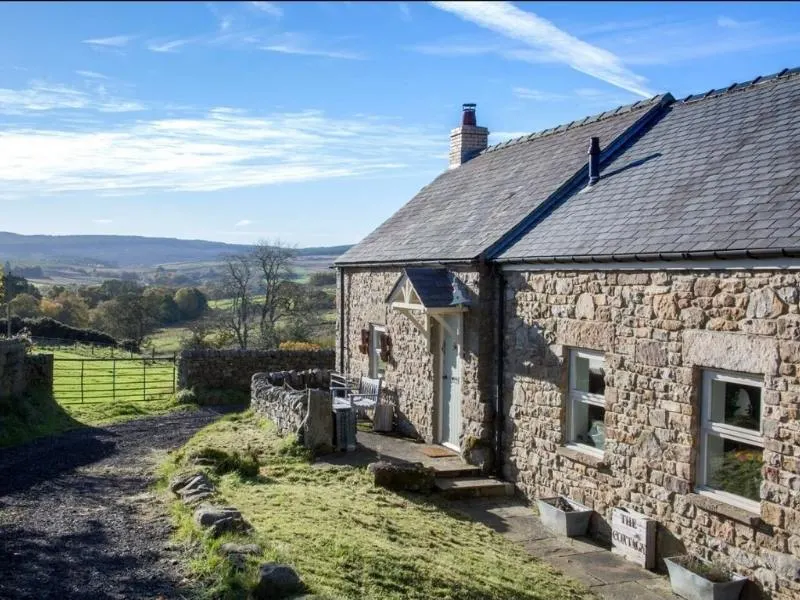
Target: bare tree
(272,261)
(237,283)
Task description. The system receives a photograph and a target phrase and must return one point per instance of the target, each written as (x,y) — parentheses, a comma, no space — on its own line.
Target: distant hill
(122,250)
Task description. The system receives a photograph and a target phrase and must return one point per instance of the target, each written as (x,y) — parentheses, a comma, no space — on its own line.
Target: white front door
(450,386)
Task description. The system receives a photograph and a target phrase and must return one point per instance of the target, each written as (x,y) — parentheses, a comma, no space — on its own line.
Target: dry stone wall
(305,413)
(233,369)
(412,373)
(22,373)
(658,331)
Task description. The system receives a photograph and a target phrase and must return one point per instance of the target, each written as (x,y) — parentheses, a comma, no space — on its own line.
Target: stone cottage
(620,326)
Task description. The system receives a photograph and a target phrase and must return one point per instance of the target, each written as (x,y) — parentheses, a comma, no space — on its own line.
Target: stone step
(472,487)
(449,470)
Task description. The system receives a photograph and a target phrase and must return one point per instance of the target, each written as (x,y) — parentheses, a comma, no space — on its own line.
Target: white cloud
(42,96)
(728,23)
(170,46)
(102,221)
(292,49)
(456,49)
(220,149)
(305,45)
(405,10)
(538,95)
(116,41)
(547,39)
(270,8)
(243,223)
(91,74)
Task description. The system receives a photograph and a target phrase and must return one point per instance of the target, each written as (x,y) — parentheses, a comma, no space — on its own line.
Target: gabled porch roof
(434,292)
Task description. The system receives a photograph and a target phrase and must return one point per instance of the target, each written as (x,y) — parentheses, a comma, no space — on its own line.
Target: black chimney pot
(594,160)
(468,115)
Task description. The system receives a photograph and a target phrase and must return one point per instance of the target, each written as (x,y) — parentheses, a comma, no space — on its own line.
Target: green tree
(191,302)
(25,306)
(322,279)
(68,308)
(161,306)
(124,317)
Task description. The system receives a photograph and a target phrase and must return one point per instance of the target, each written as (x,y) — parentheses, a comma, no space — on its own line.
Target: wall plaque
(633,536)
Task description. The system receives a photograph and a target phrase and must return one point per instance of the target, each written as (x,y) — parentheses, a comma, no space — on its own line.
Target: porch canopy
(428,293)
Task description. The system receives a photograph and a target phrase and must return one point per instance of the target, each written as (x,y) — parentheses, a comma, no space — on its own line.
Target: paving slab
(607,567)
(630,590)
(555,546)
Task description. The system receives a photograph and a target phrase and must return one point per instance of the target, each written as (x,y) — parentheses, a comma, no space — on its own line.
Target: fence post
(174,367)
(144,378)
(81,382)
(113,379)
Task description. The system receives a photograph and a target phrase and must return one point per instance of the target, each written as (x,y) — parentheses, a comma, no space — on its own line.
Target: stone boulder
(277,581)
(412,477)
(220,519)
(192,488)
(237,553)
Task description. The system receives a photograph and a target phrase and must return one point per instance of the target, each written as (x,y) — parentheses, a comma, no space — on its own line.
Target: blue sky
(313,122)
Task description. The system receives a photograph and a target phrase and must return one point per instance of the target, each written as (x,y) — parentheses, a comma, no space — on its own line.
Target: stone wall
(233,369)
(412,373)
(305,413)
(22,373)
(658,330)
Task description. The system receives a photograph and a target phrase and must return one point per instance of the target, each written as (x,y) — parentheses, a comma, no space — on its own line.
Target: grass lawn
(168,339)
(346,538)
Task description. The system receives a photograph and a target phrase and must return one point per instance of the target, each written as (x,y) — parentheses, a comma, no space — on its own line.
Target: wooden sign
(633,536)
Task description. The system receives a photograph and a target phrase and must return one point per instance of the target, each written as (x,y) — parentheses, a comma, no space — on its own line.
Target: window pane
(734,467)
(590,375)
(736,404)
(588,424)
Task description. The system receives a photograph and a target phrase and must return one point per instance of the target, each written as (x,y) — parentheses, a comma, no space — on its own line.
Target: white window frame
(574,396)
(375,332)
(730,432)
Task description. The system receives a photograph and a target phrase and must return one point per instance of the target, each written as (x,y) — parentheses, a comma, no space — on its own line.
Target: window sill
(720,507)
(579,456)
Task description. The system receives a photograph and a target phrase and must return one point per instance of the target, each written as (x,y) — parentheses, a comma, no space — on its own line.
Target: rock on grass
(277,581)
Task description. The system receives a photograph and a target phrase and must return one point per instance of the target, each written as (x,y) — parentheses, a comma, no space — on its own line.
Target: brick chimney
(467,141)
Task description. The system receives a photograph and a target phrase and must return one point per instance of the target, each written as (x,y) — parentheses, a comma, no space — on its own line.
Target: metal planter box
(570,524)
(691,586)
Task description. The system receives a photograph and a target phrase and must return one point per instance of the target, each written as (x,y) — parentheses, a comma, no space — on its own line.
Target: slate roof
(436,288)
(718,173)
(464,211)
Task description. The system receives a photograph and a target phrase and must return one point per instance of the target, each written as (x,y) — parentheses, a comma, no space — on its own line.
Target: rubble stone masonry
(658,331)
(412,372)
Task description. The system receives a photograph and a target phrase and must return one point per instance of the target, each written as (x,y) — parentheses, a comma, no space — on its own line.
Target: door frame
(440,416)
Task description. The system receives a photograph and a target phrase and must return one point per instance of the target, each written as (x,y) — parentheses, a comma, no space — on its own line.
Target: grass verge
(106,413)
(35,415)
(345,537)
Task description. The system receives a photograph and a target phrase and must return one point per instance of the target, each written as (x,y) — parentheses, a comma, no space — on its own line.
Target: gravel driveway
(77,519)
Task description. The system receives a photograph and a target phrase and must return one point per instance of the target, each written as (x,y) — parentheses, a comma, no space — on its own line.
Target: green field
(168,339)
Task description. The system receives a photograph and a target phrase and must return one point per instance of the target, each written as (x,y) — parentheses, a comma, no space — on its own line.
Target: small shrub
(224,462)
(186,396)
(299,346)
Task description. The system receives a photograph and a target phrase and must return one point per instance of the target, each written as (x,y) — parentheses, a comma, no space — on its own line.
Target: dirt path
(77,519)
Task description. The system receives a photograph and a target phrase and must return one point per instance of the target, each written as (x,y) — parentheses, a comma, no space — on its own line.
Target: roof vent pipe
(594,160)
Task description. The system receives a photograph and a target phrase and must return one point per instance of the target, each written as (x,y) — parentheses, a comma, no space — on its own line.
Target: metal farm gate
(79,380)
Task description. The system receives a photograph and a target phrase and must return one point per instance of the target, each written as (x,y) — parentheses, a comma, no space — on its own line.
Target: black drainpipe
(341,320)
(499,420)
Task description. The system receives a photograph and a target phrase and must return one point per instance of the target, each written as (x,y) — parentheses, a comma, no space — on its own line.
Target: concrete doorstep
(608,575)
